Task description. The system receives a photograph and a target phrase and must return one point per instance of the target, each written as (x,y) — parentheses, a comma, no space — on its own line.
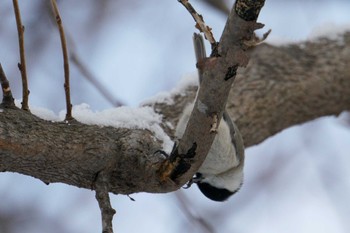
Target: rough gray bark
(289,85)
(281,87)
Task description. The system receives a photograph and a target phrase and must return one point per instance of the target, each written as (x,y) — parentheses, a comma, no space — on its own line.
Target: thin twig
(200,24)
(77,61)
(192,217)
(102,197)
(22,64)
(56,12)
(7,99)
(95,82)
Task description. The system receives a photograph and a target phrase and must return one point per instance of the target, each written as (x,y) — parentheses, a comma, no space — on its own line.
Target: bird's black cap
(213,193)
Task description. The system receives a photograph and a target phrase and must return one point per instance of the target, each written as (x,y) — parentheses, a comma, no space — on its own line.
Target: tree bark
(281,87)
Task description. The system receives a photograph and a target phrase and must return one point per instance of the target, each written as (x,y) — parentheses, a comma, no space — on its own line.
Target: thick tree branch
(292,85)
(281,87)
(75,153)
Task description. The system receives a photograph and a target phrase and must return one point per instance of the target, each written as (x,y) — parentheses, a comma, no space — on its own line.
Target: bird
(221,174)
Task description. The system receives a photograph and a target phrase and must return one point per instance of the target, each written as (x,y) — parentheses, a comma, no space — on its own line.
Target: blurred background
(296,181)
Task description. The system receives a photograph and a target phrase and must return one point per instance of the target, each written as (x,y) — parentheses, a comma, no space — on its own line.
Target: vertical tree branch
(219,72)
(22,64)
(65,59)
(7,99)
(102,197)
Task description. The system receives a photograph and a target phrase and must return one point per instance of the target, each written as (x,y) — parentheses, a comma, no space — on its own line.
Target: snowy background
(296,181)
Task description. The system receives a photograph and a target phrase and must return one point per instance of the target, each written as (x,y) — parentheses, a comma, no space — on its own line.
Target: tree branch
(281,87)
(102,197)
(200,24)
(7,99)
(69,116)
(266,99)
(22,65)
(75,153)
(68,142)
(292,85)
(218,75)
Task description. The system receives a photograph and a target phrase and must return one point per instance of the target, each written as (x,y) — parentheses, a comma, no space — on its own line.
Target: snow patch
(280,40)
(122,117)
(43,113)
(188,80)
(330,31)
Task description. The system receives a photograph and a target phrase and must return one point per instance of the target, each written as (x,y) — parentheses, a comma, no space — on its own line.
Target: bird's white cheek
(230,180)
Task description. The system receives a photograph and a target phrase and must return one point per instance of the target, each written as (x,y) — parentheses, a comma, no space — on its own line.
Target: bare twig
(200,24)
(94,81)
(56,12)
(192,217)
(102,196)
(22,64)
(7,99)
(77,61)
